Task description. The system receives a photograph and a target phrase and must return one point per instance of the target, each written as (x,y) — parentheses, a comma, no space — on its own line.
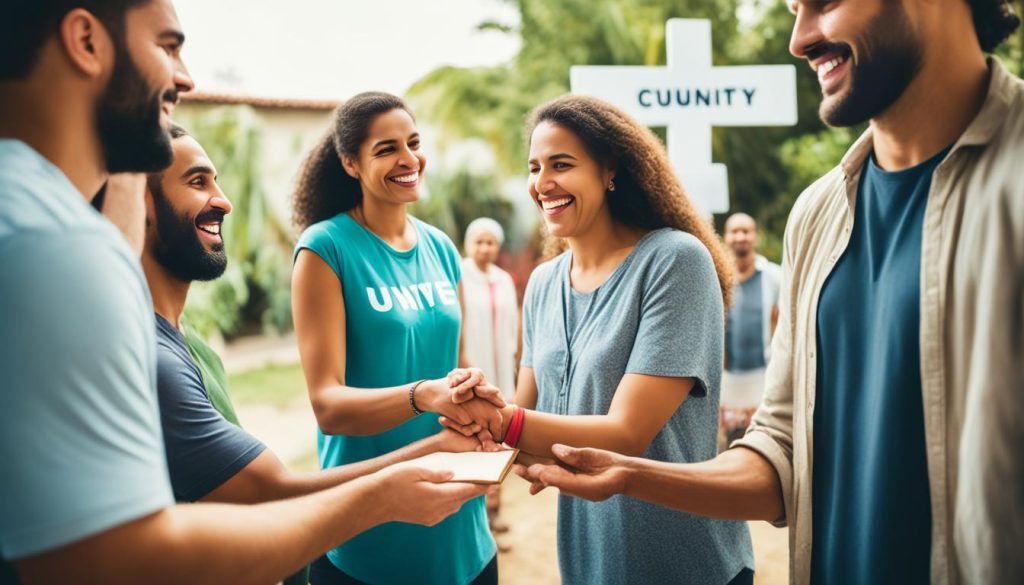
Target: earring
(611,185)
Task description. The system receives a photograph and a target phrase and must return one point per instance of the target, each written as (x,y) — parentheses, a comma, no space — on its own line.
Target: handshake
(468,405)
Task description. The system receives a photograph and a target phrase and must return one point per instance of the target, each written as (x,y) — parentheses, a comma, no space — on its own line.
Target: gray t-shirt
(660,313)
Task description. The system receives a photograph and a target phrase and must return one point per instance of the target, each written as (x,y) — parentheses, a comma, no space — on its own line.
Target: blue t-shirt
(744,332)
(80,444)
(872,512)
(203,449)
(402,321)
(659,314)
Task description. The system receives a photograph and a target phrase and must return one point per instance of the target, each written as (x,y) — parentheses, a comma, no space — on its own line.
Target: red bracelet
(515,428)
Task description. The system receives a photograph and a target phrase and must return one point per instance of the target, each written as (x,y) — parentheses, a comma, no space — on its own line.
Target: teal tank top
(402,324)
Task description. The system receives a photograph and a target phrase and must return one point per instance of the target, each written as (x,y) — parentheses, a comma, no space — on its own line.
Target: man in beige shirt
(952,121)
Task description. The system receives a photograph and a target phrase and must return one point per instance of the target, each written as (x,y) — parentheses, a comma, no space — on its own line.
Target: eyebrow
(197,170)
(176,35)
(556,156)
(390,141)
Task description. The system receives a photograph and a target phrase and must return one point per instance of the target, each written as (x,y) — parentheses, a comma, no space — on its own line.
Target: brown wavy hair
(647,195)
(994,22)
(324,189)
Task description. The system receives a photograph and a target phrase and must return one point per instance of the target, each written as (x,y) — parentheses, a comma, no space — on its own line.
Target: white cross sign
(689,96)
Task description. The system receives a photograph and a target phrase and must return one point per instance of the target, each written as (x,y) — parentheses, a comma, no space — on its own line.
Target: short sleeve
(681,327)
(203,448)
(317,239)
(526,360)
(80,441)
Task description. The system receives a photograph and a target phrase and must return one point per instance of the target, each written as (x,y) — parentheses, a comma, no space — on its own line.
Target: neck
(389,221)
(482,265)
(606,242)
(933,111)
(64,133)
(745,266)
(169,293)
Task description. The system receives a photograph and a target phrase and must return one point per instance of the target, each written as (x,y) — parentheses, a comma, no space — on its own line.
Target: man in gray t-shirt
(659,314)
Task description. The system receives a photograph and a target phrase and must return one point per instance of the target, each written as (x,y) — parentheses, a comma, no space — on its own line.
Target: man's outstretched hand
(591,474)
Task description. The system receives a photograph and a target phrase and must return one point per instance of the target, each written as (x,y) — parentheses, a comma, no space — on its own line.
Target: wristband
(515,428)
(412,398)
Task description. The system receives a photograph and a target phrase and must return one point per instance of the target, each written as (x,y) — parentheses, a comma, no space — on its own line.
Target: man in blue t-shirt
(86,89)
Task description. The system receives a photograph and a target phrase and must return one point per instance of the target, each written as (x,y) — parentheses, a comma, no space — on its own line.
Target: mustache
(171,96)
(824,48)
(210,216)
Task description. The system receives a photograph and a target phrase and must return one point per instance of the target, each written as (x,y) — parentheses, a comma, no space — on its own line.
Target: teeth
(828,66)
(406,178)
(555,203)
(213,228)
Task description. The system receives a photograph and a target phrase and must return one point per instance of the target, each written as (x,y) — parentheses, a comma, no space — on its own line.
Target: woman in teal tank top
(377,314)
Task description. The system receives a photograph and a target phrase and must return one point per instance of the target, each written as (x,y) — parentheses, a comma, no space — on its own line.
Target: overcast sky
(332,49)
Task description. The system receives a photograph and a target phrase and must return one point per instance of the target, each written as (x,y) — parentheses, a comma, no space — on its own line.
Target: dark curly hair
(648,195)
(994,22)
(324,189)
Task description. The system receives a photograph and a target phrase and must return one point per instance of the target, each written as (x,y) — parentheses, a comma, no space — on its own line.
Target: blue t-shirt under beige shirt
(872,511)
(80,441)
(659,314)
(402,323)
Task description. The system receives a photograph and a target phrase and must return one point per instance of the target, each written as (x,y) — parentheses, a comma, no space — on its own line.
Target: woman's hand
(449,441)
(467,383)
(470,417)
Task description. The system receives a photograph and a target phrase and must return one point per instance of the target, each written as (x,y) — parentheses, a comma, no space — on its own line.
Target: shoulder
(442,245)
(673,253)
(324,232)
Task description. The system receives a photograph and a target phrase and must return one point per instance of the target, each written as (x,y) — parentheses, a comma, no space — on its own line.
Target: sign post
(689,96)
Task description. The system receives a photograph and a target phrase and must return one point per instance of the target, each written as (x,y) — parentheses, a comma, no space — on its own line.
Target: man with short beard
(209,458)
(85,90)
(890,433)
(749,326)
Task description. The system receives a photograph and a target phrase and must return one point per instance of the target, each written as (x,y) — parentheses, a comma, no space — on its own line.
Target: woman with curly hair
(622,343)
(374,295)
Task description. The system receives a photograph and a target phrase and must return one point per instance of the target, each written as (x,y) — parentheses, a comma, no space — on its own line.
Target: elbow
(335,420)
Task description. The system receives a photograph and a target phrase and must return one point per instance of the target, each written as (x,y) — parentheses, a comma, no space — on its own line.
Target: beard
(178,248)
(889,60)
(128,119)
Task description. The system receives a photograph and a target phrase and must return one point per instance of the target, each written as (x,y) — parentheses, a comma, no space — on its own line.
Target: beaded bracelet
(412,398)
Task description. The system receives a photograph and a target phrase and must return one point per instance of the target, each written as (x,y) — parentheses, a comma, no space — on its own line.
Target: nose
(409,158)
(182,80)
(220,200)
(806,32)
(543,181)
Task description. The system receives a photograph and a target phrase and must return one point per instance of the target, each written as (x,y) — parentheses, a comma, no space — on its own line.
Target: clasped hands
(468,405)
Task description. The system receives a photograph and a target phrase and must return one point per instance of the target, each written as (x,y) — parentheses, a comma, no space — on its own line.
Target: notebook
(472,467)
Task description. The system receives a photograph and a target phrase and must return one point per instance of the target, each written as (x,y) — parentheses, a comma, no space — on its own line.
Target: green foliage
(458,198)
(253,294)
(278,386)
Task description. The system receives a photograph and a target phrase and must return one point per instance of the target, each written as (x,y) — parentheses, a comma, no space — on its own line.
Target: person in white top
(490,322)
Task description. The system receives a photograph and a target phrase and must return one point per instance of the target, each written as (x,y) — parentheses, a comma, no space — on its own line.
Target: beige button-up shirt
(971,339)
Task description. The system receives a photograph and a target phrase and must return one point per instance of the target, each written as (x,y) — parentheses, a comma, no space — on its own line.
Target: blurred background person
(490,326)
(749,328)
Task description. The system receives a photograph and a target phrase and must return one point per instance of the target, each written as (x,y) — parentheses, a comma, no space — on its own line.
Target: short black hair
(26,24)
(994,22)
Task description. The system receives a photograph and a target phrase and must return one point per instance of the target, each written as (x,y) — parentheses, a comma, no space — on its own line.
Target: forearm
(216,543)
(344,410)
(739,484)
(309,482)
(541,430)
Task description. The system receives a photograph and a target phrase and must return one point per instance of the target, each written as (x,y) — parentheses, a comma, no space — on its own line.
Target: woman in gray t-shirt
(622,343)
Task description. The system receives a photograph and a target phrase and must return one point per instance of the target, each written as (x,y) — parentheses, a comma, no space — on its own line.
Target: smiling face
(865,52)
(185,211)
(567,184)
(134,111)
(390,165)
